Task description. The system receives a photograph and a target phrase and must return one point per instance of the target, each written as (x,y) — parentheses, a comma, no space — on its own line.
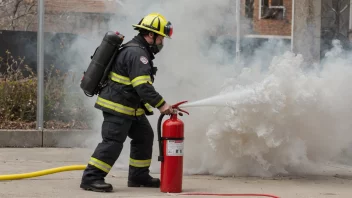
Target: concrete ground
(337,181)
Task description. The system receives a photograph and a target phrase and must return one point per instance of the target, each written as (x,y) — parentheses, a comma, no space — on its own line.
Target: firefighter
(125,102)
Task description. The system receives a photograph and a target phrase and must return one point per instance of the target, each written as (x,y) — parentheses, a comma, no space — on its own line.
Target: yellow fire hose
(82,167)
(42,172)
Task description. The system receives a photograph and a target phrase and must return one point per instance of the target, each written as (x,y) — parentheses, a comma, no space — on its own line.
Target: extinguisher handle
(176,106)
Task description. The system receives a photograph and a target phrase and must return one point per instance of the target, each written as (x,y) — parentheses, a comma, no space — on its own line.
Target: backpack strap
(130,44)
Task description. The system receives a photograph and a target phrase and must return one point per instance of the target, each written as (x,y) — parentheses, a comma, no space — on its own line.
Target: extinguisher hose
(160,158)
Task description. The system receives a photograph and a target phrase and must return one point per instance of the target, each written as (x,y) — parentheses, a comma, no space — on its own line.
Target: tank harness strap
(130,44)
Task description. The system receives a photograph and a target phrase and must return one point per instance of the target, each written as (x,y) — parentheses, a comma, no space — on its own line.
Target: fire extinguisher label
(174,148)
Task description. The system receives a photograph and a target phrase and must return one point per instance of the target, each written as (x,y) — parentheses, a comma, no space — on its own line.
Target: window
(272,9)
(249,8)
(276,2)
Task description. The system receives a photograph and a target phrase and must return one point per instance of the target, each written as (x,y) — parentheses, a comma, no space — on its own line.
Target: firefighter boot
(143,179)
(97,186)
(150,183)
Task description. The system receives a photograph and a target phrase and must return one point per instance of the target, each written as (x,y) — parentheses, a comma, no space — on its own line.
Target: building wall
(281,27)
(62,16)
(76,23)
(85,16)
(307,29)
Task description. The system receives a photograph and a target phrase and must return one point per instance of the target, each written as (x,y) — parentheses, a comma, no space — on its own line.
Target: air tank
(102,58)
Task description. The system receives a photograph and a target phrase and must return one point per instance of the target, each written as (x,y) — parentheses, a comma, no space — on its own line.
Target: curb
(47,138)
(67,138)
(20,138)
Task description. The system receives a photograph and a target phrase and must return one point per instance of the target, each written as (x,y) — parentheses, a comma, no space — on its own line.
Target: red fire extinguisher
(171,151)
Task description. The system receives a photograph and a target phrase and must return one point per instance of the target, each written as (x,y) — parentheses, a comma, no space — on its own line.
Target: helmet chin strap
(154,46)
(154,38)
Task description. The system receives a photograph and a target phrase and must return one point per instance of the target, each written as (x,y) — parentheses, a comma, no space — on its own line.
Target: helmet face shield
(168,29)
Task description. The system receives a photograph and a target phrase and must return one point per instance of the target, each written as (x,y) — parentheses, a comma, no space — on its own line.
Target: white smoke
(286,119)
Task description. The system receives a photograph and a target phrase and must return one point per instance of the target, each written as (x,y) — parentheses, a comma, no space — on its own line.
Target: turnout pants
(115,130)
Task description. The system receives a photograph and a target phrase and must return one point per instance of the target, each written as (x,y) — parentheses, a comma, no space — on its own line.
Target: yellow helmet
(157,23)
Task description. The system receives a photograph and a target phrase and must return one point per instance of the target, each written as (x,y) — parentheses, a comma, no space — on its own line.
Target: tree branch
(17,5)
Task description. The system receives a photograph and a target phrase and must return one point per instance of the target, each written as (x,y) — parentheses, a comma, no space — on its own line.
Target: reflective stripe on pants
(140,163)
(99,164)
